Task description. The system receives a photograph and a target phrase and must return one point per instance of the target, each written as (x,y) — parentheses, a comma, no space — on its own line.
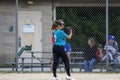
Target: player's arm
(70,35)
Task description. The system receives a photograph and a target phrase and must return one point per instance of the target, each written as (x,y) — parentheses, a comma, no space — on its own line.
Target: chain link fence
(87,20)
(91,22)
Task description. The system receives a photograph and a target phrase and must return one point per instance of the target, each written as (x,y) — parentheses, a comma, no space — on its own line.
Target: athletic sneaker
(55,78)
(69,78)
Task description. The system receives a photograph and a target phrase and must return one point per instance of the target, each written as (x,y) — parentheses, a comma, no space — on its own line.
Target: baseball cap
(111,37)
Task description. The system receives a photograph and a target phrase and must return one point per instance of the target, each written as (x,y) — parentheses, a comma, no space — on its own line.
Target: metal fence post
(53,10)
(107,25)
(16,35)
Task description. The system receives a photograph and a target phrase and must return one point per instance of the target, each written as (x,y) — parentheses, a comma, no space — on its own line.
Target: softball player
(58,48)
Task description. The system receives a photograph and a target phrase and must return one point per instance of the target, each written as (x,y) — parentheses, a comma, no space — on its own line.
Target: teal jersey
(60,38)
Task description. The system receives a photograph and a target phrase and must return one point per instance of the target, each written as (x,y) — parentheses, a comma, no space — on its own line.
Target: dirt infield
(48,76)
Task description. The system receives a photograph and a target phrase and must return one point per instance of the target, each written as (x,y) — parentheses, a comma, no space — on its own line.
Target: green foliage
(89,22)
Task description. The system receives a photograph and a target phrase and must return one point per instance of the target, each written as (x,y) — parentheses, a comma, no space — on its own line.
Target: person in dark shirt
(89,55)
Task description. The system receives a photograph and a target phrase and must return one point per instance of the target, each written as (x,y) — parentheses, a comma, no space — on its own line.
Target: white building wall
(7,39)
(7,18)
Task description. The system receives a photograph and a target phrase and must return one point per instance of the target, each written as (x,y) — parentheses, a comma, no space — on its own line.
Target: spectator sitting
(99,53)
(112,42)
(112,49)
(89,55)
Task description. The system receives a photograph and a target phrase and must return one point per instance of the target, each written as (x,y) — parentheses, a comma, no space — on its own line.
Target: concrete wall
(7,19)
(7,39)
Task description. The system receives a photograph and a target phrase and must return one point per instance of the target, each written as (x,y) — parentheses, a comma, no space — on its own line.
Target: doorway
(30,29)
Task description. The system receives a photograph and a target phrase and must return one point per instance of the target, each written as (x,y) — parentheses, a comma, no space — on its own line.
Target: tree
(89,22)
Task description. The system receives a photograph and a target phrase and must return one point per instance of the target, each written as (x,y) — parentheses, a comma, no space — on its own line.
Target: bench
(32,64)
(114,67)
(77,59)
(13,63)
(22,64)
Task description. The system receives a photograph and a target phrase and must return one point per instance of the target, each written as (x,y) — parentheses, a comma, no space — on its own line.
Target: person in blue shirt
(68,50)
(58,49)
